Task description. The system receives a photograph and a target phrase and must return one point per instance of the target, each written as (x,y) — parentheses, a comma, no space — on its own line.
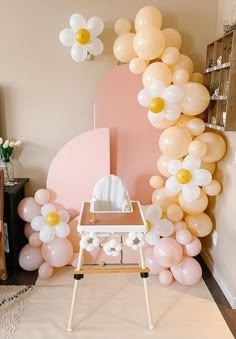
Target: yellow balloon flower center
(52,218)
(183,176)
(156,105)
(82,36)
(149,225)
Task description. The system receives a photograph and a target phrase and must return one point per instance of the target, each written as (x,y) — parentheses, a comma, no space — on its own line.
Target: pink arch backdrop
(134,142)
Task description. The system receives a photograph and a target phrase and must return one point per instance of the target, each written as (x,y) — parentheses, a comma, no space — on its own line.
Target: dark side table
(13,224)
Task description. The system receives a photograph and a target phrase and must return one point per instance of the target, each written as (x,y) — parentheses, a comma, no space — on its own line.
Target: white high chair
(110,211)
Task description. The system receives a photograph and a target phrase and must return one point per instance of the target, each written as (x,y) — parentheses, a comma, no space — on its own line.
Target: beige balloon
(123,47)
(211,166)
(184,62)
(156,71)
(137,65)
(122,26)
(149,43)
(148,16)
(170,55)
(180,77)
(213,188)
(197,148)
(162,164)
(199,225)
(172,38)
(156,181)
(183,120)
(174,141)
(196,126)
(174,213)
(194,206)
(216,146)
(163,199)
(197,77)
(196,98)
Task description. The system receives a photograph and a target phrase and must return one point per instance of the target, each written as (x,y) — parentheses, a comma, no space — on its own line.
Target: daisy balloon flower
(89,241)
(162,101)
(112,248)
(51,223)
(82,37)
(135,240)
(187,177)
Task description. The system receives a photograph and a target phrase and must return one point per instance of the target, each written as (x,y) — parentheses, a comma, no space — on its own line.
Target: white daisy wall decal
(82,37)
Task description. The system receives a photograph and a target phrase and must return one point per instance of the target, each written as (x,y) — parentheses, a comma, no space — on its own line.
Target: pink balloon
(193,248)
(188,272)
(30,258)
(58,252)
(45,271)
(180,225)
(168,252)
(28,209)
(28,230)
(183,237)
(165,277)
(150,261)
(34,240)
(42,196)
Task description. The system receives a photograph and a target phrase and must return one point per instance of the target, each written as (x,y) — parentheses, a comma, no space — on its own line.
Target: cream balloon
(156,71)
(148,16)
(194,206)
(184,62)
(170,55)
(216,146)
(174,141)
(162,165)
(137,65)
(196,126)
(213,188)
(211,166)
(174,213)
(172,38)
(197,77)
(149,43)
(156,181)
(196,98)
(183,120)
(161,198)
(123,47)
(199,225)
(197,148)
(180,77)
(122,26)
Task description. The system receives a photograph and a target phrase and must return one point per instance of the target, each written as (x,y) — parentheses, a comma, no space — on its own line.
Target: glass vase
(8,169)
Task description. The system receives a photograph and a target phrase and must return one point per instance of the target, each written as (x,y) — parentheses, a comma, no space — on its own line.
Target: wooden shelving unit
(220,80)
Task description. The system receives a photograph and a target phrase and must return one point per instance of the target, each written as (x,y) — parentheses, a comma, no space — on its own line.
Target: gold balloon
(183,176)
(194,206)
(216,146)
(163,199)
(156,71)
(148,16)
(123,47)
(196,98)
(156,105)
(174,141)
(82,36)
(52,218)
(199,225)
(172,38)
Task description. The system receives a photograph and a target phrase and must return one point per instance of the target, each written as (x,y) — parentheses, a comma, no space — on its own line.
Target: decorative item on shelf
(6,150)
(224,118)
(213,120)
(219,60)
(216,92)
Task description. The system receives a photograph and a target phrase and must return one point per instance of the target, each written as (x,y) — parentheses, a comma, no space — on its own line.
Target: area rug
(12,302)
(113,306)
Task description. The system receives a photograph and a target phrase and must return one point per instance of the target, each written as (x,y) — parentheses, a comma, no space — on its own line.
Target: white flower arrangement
(112,248)
(7,148)
(89,241)
(135,240)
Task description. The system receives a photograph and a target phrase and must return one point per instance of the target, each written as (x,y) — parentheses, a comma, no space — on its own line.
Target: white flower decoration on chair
(89,241)
(112,248)
(187,176)
(156,226)
(82,37)
(51,223)
(162,101)
(135,240)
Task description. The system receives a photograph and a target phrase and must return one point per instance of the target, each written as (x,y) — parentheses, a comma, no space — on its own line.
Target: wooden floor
(29,278)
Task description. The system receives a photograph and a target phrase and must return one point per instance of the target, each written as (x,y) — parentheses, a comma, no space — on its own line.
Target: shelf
(217,67)
(219,97)
(219,128)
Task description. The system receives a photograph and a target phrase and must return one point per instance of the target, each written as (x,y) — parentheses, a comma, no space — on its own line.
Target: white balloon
(155,118)
(172,185)
(152,237)
(157,88)
(47,234)
(47,208)
(95,25)
(77,21)
(64,216)
(164,228)
(144,97)
(172,111)
(95,46)
(190,191)
(173,93)
(62,230)
(37,223)
(153,213)
(79,52)
(174,165)
(67,37)
(202,177)
(191,163)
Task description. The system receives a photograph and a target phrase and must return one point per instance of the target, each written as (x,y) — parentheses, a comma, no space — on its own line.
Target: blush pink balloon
(193,248)
(42,196)
(58,252)
(188,272)
(30,258)
(45,271)
(150,261)
(165,277)
(34,240)
(28,230)
(183,237)
(28,208)
(168,252)
(180,225)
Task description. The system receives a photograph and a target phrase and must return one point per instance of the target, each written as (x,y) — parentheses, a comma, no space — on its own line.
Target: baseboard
(217,277)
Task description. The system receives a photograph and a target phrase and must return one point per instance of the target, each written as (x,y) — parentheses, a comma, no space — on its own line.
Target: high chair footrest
(119,269)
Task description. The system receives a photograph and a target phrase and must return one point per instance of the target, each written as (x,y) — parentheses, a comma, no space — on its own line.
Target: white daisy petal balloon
(82,37)
(162,101)
(187,177)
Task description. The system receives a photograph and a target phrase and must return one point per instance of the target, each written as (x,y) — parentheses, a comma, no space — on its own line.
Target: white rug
(113,306)
(12,301)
